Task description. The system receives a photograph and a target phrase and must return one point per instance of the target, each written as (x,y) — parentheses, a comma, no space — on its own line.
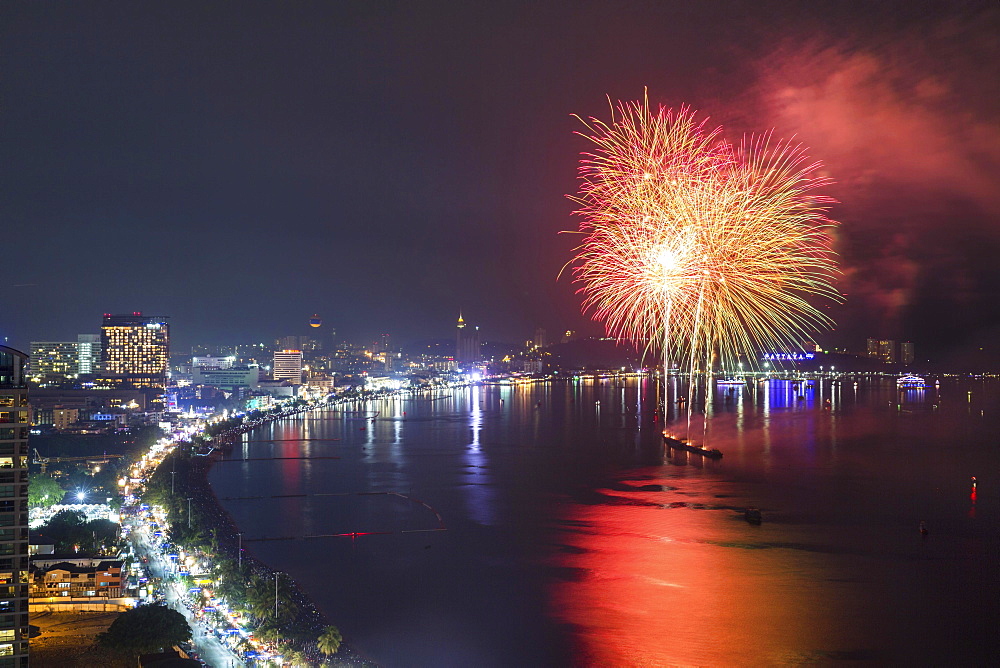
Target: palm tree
(297,659)
(260,599)
(329,641)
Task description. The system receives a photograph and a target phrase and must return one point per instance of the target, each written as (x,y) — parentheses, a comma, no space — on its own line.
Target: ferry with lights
(910,380)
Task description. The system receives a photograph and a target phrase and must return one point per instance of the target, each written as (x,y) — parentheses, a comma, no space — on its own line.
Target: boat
(711,453)
(910,380)
(730,381)
(753,516)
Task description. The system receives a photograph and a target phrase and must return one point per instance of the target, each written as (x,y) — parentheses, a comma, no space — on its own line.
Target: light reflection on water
(574,539)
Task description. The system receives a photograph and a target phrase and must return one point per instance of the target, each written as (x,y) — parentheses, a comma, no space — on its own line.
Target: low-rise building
(75,578)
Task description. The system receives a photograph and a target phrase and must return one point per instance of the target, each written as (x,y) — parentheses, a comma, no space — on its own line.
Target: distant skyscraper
(466,344)
(539,340)
(136,349)
(872,348)
(88,349)
(906,352)
(288,366)
(14,420)
(54,359)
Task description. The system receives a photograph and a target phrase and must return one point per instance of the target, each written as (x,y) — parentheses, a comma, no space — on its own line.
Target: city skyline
(387,167)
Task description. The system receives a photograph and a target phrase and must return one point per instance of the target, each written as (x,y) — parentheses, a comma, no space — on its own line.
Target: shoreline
(213,519)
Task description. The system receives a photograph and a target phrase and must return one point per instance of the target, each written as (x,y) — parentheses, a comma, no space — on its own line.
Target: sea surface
(546,525)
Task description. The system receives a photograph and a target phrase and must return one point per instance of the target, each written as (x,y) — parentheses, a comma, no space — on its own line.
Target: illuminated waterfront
(572,538)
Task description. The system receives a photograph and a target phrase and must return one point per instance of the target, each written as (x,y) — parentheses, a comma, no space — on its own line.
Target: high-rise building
(872,348)
(883,349)
(288,366)
(906,352)
(136,350)
(887,351)
(14,417)
(54,360)
(466,344)
(88,349)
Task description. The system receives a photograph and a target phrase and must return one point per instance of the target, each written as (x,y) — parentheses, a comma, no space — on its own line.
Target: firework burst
(704,248)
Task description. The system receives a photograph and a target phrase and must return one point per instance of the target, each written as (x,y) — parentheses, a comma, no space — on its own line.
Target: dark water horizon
(571,537)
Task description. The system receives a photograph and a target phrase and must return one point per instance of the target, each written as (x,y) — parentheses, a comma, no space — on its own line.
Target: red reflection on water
(678,585)
(972,499)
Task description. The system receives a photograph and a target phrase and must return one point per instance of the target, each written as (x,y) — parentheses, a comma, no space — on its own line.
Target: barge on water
(713,453)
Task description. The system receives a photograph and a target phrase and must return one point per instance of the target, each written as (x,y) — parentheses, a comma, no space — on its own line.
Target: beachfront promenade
(208,646)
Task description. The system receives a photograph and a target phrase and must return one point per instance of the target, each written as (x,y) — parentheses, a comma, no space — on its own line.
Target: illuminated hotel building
(136,350)
(14,416)
(288,366)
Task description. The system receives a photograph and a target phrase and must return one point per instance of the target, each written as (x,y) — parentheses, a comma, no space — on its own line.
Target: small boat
(752,515)
(730,381)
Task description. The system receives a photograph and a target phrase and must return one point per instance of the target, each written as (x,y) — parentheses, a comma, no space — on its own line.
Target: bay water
(545,524)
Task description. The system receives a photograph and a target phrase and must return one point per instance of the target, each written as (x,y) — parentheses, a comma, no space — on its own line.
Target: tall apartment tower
(88,352)
(466,343)
(136,350)
(14,422)
(906,352)
(288,366)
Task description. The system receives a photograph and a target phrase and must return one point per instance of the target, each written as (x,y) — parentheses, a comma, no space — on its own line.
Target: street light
(239,554)
(189,511)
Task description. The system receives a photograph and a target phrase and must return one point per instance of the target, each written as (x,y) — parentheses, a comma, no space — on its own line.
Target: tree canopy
(44,491)
(70,531)
(145,629)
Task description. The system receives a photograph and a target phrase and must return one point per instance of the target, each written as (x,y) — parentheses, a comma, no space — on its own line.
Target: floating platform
(675,444)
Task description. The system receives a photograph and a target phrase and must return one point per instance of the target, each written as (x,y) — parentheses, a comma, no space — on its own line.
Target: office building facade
(54,360)
(88,349)
(14,417)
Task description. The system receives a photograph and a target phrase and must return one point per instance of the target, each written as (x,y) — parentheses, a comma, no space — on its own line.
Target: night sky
(241,166)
